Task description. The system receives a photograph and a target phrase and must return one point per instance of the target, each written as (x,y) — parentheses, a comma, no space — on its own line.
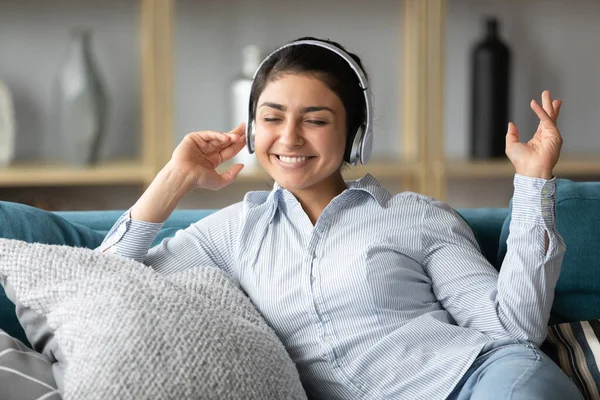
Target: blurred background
(95,95)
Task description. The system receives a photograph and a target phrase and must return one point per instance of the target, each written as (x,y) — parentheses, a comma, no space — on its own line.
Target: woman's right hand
(192,165)
(200,153)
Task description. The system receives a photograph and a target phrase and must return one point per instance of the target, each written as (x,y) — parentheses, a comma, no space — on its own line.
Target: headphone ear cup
(353,146)
(366,147)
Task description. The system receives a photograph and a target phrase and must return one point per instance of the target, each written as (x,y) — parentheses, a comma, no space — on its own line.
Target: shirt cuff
(534,201)
(133,233)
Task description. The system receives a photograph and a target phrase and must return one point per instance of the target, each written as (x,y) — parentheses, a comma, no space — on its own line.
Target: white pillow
(117,329)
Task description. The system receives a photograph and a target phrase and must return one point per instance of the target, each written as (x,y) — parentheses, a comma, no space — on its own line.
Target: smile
(292,160)
(292,163)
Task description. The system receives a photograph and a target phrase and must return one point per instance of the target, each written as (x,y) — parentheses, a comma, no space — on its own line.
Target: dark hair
(323,64)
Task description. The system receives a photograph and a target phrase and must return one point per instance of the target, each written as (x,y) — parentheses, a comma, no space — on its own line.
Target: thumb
(512,135)
(229,176)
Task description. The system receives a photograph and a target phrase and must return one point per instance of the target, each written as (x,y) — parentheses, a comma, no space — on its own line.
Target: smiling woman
(373,295)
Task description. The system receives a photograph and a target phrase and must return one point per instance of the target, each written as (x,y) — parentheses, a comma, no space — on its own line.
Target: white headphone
(362,140)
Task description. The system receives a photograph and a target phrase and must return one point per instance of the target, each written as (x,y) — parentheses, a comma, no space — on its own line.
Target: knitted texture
(126,332)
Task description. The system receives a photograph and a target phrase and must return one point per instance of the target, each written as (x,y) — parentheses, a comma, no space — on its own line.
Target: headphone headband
(363,140)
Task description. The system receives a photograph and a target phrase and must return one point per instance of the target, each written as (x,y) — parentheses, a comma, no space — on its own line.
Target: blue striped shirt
(385,297)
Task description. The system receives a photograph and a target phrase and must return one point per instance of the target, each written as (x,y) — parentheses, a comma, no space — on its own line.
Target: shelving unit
(442,168)
(40,175)
(567,166)
(156,32)
(415,90)
(422,164)
(154,93)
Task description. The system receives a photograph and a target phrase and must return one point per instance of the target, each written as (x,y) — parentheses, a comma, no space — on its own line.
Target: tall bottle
(7,126)
(489,93)
(240,97)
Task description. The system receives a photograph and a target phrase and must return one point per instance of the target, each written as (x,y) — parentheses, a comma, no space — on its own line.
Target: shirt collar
(366,184)
(370,185)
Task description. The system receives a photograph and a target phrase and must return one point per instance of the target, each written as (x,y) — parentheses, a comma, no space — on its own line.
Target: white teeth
(292,160)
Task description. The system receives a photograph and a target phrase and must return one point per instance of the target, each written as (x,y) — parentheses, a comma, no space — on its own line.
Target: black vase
(489,94)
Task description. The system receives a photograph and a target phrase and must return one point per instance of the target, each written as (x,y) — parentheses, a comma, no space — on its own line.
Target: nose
(291,135)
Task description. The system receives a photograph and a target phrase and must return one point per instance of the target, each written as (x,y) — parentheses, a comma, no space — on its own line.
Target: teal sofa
(577,296)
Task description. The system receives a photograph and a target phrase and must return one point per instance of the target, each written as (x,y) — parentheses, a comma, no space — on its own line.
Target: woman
(374,296)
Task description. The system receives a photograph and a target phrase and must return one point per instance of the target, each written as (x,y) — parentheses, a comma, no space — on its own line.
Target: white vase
(82,103)
(7,126)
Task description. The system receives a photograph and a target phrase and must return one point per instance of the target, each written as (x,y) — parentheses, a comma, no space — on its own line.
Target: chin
(292,184)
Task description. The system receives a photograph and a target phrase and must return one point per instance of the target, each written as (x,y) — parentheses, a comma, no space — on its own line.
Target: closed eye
(315,122)
(266,119)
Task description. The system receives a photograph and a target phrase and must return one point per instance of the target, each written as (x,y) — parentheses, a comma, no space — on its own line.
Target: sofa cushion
(577,295)
(575,347)
(114,328)
(34,225)
(30,224)
(24,373)
(102,221)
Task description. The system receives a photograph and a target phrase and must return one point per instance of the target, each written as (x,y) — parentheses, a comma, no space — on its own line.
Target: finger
(212,137)
(557,104)
(512,135)
(540,112)
(547,103)
(210,141)
(209,135)
(228,152)
(228,177)
(238,131)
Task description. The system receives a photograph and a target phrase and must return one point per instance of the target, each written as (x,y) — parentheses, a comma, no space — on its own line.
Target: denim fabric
(514,370)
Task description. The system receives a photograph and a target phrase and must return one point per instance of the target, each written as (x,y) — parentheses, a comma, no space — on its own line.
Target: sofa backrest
(578,221)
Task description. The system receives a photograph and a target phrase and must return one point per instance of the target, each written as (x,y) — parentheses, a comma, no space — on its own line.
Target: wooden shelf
(569,165)
(125,172)
(379,169)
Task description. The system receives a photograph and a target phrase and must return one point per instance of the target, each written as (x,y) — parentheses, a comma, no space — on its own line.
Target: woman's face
(300,127)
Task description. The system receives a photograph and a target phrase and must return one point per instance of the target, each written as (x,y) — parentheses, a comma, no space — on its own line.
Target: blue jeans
(511,369)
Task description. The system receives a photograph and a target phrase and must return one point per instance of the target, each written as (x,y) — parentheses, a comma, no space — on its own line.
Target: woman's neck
(314,199)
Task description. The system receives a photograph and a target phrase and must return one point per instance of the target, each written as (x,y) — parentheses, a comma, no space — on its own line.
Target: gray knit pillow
(119,330)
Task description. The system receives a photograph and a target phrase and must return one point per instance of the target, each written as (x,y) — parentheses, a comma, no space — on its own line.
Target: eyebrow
(302,111)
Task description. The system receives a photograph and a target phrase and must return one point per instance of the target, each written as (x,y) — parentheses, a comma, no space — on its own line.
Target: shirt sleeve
(130,238)
(516,302)
(210,242)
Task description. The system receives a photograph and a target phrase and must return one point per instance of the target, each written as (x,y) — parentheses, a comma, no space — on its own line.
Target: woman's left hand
(537,157)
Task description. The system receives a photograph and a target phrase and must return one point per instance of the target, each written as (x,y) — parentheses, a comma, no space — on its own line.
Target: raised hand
(199,153)
(537,157)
